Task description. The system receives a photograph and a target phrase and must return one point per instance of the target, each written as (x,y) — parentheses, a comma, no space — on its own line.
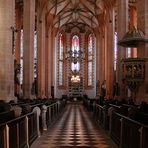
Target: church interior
(73,73)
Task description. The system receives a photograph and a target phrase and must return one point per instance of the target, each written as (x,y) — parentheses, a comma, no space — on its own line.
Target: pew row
(22,131)
(121,122)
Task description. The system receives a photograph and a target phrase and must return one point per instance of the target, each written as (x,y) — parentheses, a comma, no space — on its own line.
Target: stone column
(102,53)
(122,28)
(122,22)
(53,61)
(54,33)
(7,20)
(101,64)
(133,22)
(142,51)
(100,57)
(97,61)
(18,19)
(101,47)
(41,55)
(48,63)
(110,54)
(133,16)
(97,53)
(28,56)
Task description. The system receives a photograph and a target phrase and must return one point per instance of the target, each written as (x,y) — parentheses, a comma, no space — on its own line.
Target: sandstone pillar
(49,57)
(28,56)
(133,22)
(102,47)
(53,60)
(97,53)
(7,20)
(18,19)
(41,55)
(110,54)
(97,62)
(122,28)
(122,22)
(102,70)
(100,58)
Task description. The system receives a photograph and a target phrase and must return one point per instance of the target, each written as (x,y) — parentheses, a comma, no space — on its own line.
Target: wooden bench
(6,116)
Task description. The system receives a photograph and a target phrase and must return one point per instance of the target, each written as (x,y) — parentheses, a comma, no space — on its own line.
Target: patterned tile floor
(74,129)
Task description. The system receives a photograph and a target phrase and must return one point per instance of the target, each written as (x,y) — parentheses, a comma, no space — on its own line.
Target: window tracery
(61,60)
(115,51)
(75,66)
(90,52)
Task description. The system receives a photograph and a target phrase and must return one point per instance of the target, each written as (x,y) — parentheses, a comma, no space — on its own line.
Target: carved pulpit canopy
(132,38)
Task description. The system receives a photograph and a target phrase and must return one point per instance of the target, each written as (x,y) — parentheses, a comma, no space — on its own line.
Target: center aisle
(74,129)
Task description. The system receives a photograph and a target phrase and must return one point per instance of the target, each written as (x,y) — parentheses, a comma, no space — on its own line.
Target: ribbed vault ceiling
(75,11)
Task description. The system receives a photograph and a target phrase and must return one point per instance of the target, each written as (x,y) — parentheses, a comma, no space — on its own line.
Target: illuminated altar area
(75,62)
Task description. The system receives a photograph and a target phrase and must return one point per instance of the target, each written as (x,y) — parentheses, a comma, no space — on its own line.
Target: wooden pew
(19,132)
(128,133)
(6,116)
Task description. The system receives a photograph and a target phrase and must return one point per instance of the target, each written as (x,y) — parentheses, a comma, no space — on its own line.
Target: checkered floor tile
(74,129)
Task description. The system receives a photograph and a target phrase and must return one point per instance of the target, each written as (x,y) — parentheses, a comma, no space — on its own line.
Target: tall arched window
(21,56)
(90,59)
(61,59)
(75,66)
(115,51)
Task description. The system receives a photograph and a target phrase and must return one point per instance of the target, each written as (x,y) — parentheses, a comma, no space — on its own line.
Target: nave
(74,128)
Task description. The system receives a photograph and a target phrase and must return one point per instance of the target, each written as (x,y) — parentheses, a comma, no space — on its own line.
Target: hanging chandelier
(75,56)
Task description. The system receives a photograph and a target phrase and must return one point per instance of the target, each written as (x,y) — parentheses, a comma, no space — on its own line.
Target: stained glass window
(75,67)
(76,49)
(21,56)
(90,47)
(60,73)
(75,43)
(61,47)
(90,60)
(61,54)
(90,73)
(35,54)
(115,51)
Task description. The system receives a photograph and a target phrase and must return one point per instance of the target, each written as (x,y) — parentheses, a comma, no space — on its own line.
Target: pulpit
(133,72)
